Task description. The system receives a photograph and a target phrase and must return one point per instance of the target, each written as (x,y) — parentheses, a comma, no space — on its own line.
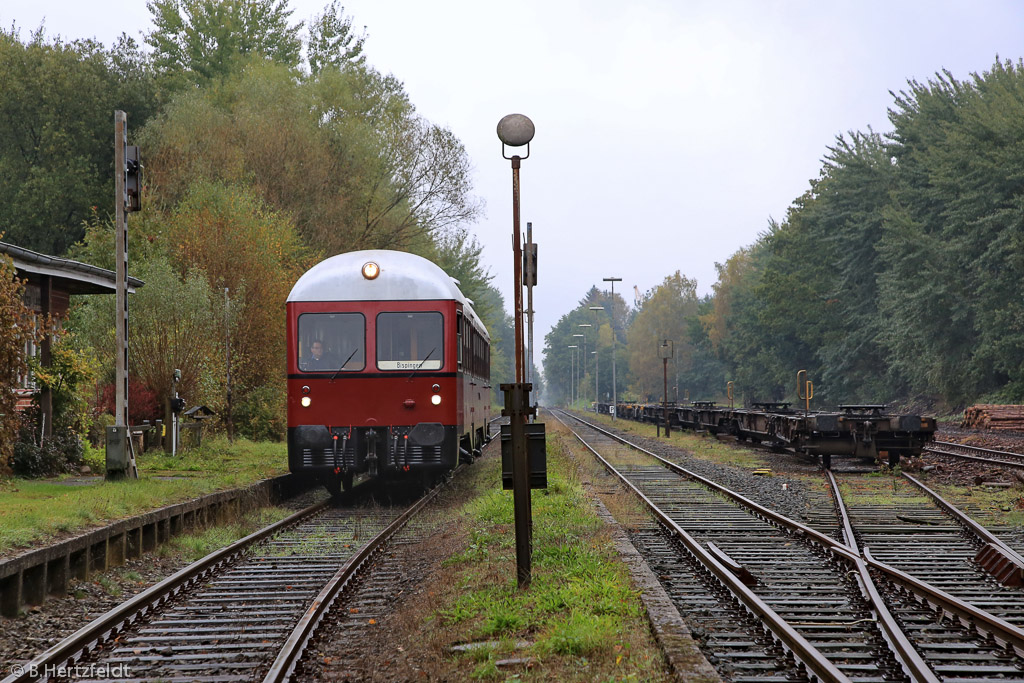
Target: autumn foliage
(17,327)
(238,243)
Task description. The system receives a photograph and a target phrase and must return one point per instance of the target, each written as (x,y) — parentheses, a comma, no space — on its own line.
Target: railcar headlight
(306,400)
(371,270)
(436,399)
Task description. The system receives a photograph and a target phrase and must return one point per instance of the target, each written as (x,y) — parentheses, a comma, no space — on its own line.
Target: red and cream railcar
(388,369)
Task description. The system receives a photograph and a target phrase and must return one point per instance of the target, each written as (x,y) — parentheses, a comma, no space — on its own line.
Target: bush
(260,416)
(143,402)
(95,458)
(59,454)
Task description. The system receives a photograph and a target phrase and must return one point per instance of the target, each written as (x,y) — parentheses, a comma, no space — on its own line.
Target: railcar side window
(410,341)
(459,332)
(332,341)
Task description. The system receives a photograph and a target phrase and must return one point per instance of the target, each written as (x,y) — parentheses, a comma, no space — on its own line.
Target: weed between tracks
(581,617)
(991,507)
(881,489)
(196,546)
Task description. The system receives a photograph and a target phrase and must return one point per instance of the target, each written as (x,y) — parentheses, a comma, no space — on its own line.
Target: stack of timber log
(994,416)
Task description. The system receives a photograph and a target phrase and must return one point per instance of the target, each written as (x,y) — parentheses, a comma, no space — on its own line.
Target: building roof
(76,277)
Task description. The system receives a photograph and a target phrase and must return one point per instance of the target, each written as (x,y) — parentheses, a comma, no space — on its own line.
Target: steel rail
(907,655)
(1001,560)
(1004,633)
(109,624)
(761,511)
(284,665)
(982,621)
(1005,458)
(803,652)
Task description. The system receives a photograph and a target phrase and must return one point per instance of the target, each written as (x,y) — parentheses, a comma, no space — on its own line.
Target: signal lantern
(132,179)
(530,264)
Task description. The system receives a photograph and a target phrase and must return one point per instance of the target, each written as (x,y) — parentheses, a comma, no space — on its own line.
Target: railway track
(927,538)
(986,456)
(244,612)
(865,619)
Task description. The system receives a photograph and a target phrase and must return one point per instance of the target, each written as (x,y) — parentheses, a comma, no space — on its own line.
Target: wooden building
(50,282)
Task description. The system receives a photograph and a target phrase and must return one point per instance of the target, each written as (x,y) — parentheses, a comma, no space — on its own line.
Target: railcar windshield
(332,341)
(410,341)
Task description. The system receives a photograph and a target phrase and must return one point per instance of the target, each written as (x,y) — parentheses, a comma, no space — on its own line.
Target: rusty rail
(110,624)
(999,559)
(1004,633)
(908,656)
(976,454)
(305,629)
(806,654)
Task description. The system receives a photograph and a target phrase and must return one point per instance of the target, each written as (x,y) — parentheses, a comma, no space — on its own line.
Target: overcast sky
(668,132)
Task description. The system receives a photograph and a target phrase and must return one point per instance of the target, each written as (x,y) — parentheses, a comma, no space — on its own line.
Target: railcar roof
(403,277)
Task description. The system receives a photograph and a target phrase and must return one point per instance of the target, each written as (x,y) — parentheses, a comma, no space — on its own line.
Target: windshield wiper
(421,364)
(342,366)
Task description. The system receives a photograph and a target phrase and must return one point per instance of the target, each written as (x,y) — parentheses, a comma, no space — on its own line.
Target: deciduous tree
(665,314)
(209,39)
(331,42)
(56,132)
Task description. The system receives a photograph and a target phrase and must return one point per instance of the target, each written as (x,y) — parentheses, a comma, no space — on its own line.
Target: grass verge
(581,618)
(32,511)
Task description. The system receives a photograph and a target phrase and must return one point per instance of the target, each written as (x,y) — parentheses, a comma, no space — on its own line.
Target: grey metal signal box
(117,451)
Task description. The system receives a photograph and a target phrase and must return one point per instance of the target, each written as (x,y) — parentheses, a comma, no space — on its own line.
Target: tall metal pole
(576,379)
(517,254)
(570,375)
(529,308)
(121,429)
(121,230)
(597,365)
(664,404)
(615,400)
(666,351)
(584,327)
(516,130)
(572,372)
(227,361)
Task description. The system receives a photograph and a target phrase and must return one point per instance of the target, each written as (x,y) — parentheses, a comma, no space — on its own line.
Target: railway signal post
(120,454)
(516,130)
(666,351)
(529,281)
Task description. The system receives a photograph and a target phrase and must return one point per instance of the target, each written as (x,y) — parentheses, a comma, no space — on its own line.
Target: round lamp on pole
(515,130)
